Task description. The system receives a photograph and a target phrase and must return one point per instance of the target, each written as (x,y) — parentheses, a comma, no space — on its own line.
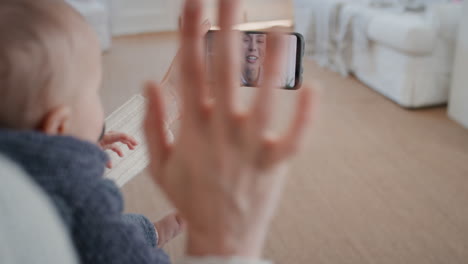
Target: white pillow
(415,5)
(412,5)
(383,3)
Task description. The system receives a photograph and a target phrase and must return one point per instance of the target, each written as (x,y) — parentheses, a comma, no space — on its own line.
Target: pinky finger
(295,136)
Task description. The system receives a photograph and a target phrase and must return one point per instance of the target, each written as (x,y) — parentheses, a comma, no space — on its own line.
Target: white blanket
(129,119)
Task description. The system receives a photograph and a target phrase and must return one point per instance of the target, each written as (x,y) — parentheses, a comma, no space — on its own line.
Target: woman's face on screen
(254,48)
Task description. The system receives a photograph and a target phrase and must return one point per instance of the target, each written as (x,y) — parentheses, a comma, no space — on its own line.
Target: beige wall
(257,10)
(260,10)
(137,16)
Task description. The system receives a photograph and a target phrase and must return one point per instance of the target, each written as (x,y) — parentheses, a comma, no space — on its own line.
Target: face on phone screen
(253,55)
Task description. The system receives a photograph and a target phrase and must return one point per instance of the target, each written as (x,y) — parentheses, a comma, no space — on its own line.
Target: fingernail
(206,22)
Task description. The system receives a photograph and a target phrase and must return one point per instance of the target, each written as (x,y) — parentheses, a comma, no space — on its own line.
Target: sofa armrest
(445,18)
(406,32)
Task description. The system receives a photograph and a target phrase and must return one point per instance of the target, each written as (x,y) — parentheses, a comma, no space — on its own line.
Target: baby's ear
(57,121)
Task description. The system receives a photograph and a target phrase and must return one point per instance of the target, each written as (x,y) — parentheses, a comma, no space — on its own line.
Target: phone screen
(253,55)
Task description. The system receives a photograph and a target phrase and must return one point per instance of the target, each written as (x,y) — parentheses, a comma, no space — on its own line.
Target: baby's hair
(36,54)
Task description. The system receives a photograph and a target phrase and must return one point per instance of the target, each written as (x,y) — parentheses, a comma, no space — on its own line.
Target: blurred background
(385,177)
(416,39)
(121,17)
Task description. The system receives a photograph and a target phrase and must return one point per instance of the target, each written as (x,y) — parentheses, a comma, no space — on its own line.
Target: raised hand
(223,173)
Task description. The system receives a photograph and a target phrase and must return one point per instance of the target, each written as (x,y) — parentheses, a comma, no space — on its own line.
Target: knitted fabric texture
(71,171)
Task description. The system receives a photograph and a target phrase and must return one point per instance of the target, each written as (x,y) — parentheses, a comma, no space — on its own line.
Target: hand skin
(170,83)
(168,228)
(223,173)
(111,138)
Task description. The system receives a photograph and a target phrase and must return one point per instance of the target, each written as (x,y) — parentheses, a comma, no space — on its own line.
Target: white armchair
(406,56)
(410,55)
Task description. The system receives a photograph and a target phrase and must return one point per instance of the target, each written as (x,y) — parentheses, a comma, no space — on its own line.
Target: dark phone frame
(299,55)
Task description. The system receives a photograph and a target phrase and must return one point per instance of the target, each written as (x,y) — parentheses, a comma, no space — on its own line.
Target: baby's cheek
(90,120)
(99,118)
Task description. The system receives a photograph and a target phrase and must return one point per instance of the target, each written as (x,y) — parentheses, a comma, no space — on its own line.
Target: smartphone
(253,51)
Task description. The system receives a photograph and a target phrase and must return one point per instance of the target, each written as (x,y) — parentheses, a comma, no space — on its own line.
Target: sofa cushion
(445,18)
(406,32)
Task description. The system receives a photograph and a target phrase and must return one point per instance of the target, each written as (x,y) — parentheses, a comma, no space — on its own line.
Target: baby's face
(88,114)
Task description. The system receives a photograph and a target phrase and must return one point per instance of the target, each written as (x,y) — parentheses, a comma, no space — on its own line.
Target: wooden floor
(377,184)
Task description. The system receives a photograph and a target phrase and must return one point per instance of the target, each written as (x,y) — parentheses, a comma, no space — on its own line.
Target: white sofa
(410,55)
(406,56)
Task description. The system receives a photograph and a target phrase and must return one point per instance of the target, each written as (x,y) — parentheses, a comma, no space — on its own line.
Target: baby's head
(50,70)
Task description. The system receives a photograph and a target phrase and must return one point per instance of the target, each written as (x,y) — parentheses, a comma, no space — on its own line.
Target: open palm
(222,173)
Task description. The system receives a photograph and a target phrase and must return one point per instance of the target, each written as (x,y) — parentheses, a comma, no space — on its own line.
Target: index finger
(228,62)
(192,61)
